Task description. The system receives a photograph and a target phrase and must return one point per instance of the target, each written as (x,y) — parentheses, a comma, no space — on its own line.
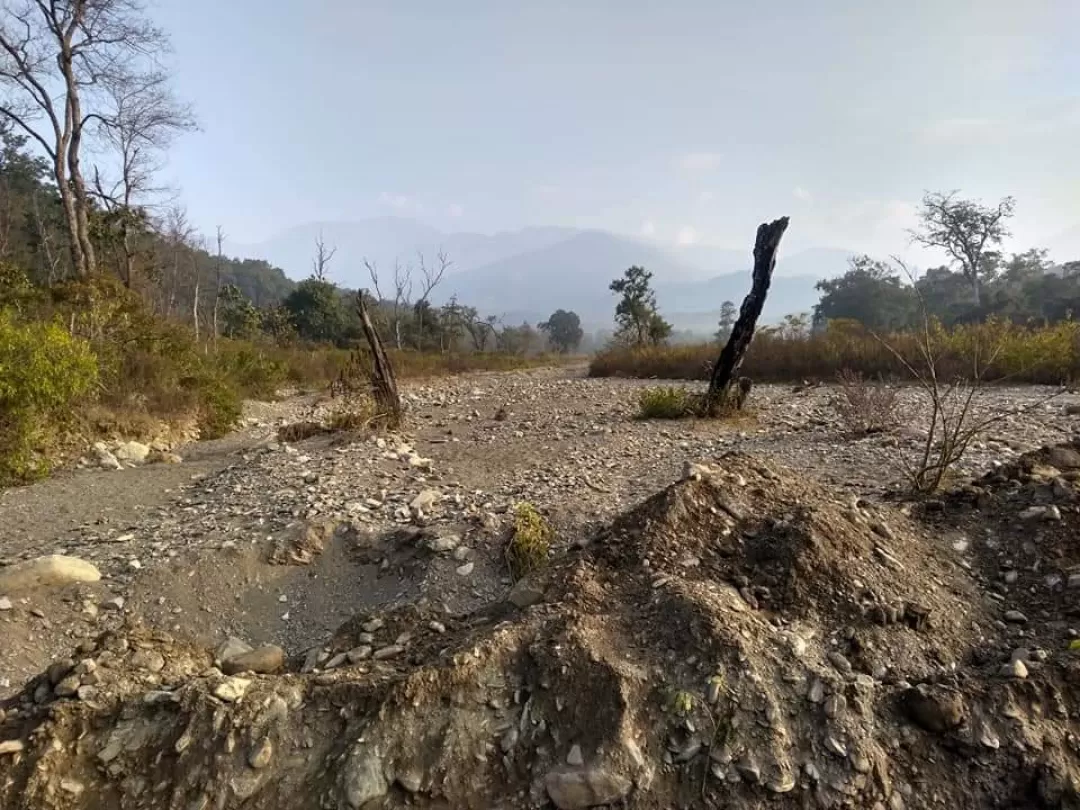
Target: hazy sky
(687,120)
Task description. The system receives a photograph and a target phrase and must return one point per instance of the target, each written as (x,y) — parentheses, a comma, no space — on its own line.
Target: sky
(688,121)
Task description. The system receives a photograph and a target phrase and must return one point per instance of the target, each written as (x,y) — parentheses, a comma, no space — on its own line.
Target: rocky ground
(767,629)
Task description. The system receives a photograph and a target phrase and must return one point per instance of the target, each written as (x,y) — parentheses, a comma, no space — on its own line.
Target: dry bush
(865,407)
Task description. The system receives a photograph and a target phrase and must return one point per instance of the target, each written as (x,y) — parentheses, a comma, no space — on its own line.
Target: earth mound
(742,639)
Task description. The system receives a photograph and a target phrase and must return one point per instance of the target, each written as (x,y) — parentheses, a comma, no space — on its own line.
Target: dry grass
(1043,355)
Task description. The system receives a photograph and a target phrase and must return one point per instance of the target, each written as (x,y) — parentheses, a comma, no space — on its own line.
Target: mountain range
(525,275)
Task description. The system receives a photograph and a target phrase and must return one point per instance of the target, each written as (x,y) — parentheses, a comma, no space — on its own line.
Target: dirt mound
(741,639)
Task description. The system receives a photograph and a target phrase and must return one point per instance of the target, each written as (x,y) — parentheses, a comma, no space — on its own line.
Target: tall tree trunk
(383,383)
(731,357)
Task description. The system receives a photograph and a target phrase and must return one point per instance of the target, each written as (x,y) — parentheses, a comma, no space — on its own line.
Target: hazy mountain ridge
(527,274)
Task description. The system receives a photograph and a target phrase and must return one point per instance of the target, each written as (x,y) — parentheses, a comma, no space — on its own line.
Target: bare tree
(76,46)
(432,276)
(323,255)
(141,120)
(965,230)
(402,294)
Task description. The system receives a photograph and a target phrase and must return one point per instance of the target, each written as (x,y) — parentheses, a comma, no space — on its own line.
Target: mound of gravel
(742,639)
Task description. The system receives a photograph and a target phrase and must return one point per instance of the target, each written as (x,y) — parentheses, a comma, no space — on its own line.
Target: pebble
(232,689)
(1015,617)
(264,660)
(11,746)
(5,603)
(575,757)
(388,652)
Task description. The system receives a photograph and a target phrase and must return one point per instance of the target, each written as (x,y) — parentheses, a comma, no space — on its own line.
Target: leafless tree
(76,47)
(432,276)
(323,255)
(402,294)
(140,121)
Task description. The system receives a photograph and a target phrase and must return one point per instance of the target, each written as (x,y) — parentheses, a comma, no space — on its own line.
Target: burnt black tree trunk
(383,383)
(727,366)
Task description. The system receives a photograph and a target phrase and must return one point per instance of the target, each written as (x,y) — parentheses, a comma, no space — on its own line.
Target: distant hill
(527,274)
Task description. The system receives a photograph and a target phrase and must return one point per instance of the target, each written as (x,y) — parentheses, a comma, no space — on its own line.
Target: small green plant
(44,374)
(666,402)
(220,406)
(530,543)
(681,702)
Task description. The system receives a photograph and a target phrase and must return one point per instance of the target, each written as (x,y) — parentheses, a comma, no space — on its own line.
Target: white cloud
(648,228)
(455,210)
(686,236)
(705,197)
(801,193)
(700,161)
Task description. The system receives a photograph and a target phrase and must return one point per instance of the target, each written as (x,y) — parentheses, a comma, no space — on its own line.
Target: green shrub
(665,403)
(530,542)
(251,369)
(44,374)
(220,405)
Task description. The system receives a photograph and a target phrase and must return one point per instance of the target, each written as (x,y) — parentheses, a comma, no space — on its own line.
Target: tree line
(86,117)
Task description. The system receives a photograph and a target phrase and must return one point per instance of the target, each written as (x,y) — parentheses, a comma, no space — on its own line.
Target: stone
(411,780)
(264,660)
(1016,669)
(105,459)
(425,500)
(231,689)
(580,788)
(54,569)
(132,452)
(1063,457)
(231,648)
(68,687)
(934,708)
(358,654)
(116,603)
(11,746)
(363,779)
(524,594)
(1015,617)
(164,457)
(389,652)
(150,660)
(575,756)
(443,544)
(835,706)
(5,603)
(465,570)
(843,666)
(261,754)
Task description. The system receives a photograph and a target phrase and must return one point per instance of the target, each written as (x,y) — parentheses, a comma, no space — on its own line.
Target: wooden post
(731,357)
(383,384)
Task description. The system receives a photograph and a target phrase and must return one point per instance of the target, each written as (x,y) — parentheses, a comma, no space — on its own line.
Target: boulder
(132,452)
(579,788)
(54,569)
(263,660)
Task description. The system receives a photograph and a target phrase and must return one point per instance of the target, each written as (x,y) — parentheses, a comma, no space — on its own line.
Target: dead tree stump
(381,375)
(726,368)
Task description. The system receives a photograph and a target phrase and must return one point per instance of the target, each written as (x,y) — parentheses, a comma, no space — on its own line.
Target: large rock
(104,457)
(1064,458)
(579,788)
(263,660)
(132,452)
(54,569)
(934,708)
(362,779)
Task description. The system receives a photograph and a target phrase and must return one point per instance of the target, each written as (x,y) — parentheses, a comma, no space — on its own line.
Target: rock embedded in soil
(264,660)
(132,452)
(934,708)
(579,788)
(54,569)
(231,689)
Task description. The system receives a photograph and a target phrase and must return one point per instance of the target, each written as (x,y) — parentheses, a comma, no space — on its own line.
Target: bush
(865,407)
(665,403)
(44,374)
(530,543)
(220,405)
